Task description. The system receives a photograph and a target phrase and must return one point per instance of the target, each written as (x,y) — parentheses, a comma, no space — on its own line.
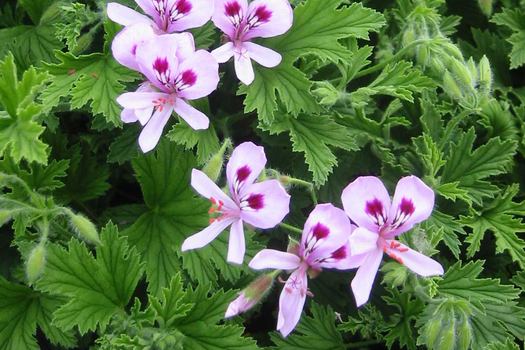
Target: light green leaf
(312,135)
(125,147)
(408,310)
(99,287)
(517,55)
(451,228)
(514,19)
(170,306)
(498,217)
(94,78)
(203,35)
(508,345)
(451,191)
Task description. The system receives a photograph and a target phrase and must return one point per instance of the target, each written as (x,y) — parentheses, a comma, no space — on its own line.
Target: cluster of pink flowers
(329,239)
(175,72)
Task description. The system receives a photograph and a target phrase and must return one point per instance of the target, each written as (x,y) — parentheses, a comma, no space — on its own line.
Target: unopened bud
(214,165)
(251,295)
(486,7)
(451,87)
(85,228)
(51,14)
(83,43)
(448,337)
(461,71)
(453,51)
(293,247)
(464,335)
(327,93)
(432,332)
(408,37)
(473,70)
(485,73)
(422,55)
(35,263)
(437,64)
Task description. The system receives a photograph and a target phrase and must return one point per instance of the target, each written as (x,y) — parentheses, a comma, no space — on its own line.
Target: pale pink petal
(228,12)
(245,164)
(326,230)
(365,276)
(342,259)
(195,118)
(185,45)
(243,65)
(224,52)
(269,18)
(150,135)
(264,204)
(274,259)
(199,75)
(262,55)
(135,100)
(239,305)
(128,115)
(415,261)
(237,244)
(157,60)
(124,15)
(124,45)
(148,7)
(292,300)
(363,241)
(189,14)
(207,188)
(367,203)
(413,202)
(205,236)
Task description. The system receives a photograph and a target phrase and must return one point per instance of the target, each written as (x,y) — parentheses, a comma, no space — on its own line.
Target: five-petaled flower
(263,204)
(367,203)
(324,243)
(241,23)
(175,71)
(168,15)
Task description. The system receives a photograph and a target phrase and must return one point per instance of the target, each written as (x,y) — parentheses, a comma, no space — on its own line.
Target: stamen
(212,210)
(402,250)
(213,200)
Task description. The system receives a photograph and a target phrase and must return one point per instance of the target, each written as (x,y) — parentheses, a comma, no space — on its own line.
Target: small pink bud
(293,247)
(251,295)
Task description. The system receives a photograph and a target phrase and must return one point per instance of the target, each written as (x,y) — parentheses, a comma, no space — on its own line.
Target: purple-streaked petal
(189,14)
(243,65)
(195,118)
(274,259)
(125,16)
(264,204)
(367,203)
(365,276)
(128,115)
(224,52)
(239,305)
(207,235)
(157,60)
(414,260)
(208,189)
(326,230)
(124,46)
(237,244)
(148,6)
(363,241)
(136,100)
(199,75)
(150,135)
(413,202)
(262,55)
(271,18)
(342,259)
(245,164)
(291,301)
(228,12)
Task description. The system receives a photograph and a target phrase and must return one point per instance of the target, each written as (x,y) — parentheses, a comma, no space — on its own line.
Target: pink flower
(251,295)
(240,305)
(325,244)
(168,15)
(367,203)
(263,204)
(176,72)
(241,23)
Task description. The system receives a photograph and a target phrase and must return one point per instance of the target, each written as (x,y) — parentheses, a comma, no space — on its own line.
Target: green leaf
(99,287)
(312,135)
(94,78)
(319,332)
(35,9)
(317,27)
(508,345)
(468,167)
(20,310)
(451,191)
(170,306)
(203,35)
(19,130)
(451,228)
(517,55)
(514,19)
(125,146)
(498,217)
(174,214)
(74,17)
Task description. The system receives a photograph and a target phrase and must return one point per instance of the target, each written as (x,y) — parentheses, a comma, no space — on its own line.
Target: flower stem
(364,343)
(306,184)
(451,125)
(291,228)
(391,59)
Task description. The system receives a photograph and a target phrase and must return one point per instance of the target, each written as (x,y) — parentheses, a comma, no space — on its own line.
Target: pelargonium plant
(262,174)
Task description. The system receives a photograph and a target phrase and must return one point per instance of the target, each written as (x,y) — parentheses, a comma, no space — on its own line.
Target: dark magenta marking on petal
(161,65)
(232,9)
(339,254)
(243,173)
(134,50)
(183,6)
(320,231)
(406,207)
(374,207)
(189,78)
(263,14)
(256,201)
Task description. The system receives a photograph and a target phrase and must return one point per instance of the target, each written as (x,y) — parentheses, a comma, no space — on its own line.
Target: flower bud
(473,70)
(35,263)
(432,332)
(448,336)
(408,36)
(251,295)
(422,55)
(327,93)
(461,71)
(453,51)
(85,228)
(485,73)
(437,65)
(51,14)
(450,85)
(214,165)
(486,7)
(464,334)
(293,247)
(82,44)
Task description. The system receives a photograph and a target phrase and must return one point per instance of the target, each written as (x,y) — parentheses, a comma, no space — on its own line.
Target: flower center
(216,210)
(255,18)
(177,10)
